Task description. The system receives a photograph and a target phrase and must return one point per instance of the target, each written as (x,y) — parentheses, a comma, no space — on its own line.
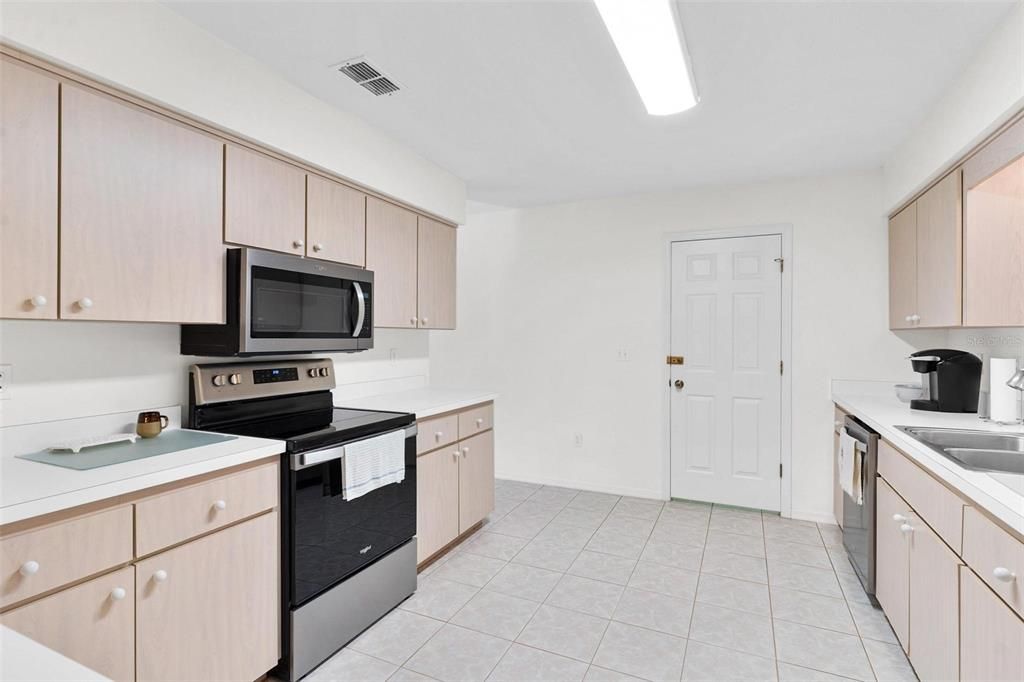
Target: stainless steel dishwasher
(859,518)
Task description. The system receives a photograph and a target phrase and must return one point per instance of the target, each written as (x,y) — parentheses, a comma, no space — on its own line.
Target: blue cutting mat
(117,453)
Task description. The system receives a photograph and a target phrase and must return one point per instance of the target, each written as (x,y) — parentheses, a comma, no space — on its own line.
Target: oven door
(329,539)
(288,304)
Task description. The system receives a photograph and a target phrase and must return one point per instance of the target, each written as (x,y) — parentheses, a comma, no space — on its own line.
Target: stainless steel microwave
(278,303)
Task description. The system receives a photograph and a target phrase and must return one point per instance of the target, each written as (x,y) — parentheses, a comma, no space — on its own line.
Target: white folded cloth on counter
(372,463)
(850,463)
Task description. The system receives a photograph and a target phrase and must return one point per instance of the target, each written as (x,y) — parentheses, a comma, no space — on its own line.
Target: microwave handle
(362,310)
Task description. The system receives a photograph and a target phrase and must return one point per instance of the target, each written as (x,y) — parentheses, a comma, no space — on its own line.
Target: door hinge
(780,367)
(782,264)
(780,469)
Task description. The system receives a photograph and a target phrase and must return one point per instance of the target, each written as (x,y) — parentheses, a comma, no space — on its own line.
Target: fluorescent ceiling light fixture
(647,37)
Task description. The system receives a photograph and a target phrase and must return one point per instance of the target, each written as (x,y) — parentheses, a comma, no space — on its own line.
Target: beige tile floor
(563,585)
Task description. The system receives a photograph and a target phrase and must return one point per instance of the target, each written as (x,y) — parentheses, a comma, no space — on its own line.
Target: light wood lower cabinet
(92,623)
(209,608)
(437,500)
(991,634)
(934,605)
(892,567)
(28,192)
(140,217)
(454,483)
(476,479)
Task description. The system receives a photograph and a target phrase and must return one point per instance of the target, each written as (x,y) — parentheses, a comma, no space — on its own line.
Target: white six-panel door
(726,412)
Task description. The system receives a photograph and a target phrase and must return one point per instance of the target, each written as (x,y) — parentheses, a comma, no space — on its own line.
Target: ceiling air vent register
(369,77)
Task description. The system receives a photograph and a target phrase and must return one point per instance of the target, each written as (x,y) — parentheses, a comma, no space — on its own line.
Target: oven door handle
(361,318)
(303,460)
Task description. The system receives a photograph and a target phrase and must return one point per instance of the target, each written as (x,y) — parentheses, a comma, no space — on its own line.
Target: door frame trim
(785,232)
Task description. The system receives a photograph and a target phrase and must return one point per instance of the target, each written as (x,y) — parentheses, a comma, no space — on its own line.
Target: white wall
(146,48)
(548,296)
(63,370)
(985,95)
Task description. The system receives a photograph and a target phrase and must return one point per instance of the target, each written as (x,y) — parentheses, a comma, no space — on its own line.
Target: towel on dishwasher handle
(850,466)
(372,463)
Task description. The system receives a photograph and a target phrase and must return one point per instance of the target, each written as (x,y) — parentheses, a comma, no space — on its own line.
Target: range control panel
(223,382)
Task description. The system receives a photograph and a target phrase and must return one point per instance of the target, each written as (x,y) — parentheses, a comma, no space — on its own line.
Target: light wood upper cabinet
(934,605)
(903,268)
(141,212)
(994,233)
(28,192)
(264,202)
(391,252)
(208,609)
(436,275)
(939,254)
(437,500)
(892,567)
(476,480)
(991,635)
(92,623)
(335,221)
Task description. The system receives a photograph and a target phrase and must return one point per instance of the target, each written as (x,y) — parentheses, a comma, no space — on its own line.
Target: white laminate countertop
(23,660)
(423,402)
(29,489)
(875,403)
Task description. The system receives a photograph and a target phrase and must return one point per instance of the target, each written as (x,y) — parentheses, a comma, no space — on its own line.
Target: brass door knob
(679,383)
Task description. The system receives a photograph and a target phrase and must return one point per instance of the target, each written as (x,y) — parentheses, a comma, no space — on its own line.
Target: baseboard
(626,491)
(816,517)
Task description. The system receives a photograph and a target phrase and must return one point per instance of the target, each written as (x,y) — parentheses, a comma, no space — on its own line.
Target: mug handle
(164,421)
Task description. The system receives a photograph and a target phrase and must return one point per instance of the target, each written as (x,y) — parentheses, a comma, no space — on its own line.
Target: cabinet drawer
(176,516)
(436,432)
(64,552)
(92,623)
(987,547)
(476,420)
(936,504)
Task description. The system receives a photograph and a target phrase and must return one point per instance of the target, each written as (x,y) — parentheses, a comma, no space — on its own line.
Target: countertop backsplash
(65,370)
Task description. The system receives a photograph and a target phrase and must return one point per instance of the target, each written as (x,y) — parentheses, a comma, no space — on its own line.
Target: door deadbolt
(679,383)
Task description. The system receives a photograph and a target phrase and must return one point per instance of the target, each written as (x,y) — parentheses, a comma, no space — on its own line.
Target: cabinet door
(437,500)
(903,268)
(141,214)
(209,609)
(892,561)
(92,623)
(476,480)
(335,222)
(391,254)
(994,233)
(436,274)
(991,635)
(934,605)
(939,254)
(28,186)
(264,202)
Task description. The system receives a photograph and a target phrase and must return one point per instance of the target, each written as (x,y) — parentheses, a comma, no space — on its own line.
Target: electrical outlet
(578,440)
(6,381)
(623,355)
(392,354)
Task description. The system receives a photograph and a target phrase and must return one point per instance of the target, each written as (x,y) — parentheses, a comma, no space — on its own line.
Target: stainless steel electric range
(344,563)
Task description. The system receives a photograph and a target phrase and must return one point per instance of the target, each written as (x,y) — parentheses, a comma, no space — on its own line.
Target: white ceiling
(530,104)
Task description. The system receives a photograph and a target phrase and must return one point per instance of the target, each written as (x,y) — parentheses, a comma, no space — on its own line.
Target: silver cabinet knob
(85,302)
(465,451)
(118,593)
(160,576)
(413,320)
(424,321)
(29,568)
(318,247)
(455,455)
(220,505)
(38,301)
(298,243)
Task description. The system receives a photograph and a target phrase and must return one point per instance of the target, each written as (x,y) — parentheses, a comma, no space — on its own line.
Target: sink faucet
(1017,381)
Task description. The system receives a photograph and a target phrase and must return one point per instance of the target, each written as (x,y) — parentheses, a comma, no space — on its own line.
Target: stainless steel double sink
(978,450)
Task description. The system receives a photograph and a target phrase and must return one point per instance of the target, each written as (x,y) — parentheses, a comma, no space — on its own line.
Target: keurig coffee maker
(950,380)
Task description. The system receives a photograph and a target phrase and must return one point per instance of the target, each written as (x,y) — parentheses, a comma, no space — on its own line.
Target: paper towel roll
(1002,399)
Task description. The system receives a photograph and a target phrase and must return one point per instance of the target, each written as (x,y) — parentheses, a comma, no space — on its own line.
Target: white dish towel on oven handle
(850,467)
(372,463)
